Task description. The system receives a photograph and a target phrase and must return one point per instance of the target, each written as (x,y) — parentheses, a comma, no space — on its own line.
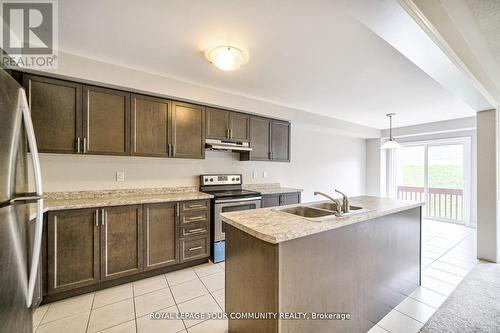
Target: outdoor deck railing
(443,203)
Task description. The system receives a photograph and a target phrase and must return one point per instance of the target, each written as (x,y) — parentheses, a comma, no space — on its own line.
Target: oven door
(231,205)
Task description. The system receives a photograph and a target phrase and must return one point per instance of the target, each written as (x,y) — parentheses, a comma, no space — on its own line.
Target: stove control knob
(238,178)
(211,179)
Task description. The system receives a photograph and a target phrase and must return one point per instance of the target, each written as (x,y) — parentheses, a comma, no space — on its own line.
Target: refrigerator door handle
(26,199)
(30,134)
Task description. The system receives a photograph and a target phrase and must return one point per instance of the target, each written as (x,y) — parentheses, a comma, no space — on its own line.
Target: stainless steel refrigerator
(19,251)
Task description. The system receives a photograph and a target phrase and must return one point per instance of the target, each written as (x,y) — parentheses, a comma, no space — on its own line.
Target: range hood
(227,145)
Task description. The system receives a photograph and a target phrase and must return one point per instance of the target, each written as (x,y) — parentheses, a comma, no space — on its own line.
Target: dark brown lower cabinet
(270,200)
(121,241)
(280,199)
(73,249)
(86,247)
(194,248)
(290,198)
(160,236)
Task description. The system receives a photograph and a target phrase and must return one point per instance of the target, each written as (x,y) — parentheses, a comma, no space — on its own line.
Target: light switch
(120,176)
(254,174)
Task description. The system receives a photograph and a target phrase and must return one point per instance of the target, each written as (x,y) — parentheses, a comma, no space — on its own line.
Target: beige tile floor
(448,254)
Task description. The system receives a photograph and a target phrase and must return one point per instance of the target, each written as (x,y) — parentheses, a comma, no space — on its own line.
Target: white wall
(375,168)
(488,231)
(326,153)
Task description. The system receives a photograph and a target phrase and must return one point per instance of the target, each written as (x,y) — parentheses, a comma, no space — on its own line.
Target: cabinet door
(259,140)
(290,198)
(239,125)
(106,121)
(188,130)
(270,200)
(280,141)
(160,226)
(217,124)
(56,111)
(73,249)
(150,126)
(121,241)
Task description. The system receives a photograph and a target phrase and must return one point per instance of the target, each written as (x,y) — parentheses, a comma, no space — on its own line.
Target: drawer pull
(195,248)
(196,206)
(195,218)
(196,230)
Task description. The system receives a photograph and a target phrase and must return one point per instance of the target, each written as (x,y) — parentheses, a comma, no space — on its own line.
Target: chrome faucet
(345,202)
(338,207)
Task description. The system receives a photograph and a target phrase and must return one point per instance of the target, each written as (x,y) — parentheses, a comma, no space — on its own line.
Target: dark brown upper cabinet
(73,249)
(150,130)
(188,130)
(160,230)
(269,139)
(56,111)
(260,140)
(106,121)
(280,141)
(217,124)
(70,117)
(121,241)
(227,125)
(239,126)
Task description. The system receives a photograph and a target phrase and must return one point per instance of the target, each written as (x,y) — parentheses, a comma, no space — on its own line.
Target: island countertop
(274,226)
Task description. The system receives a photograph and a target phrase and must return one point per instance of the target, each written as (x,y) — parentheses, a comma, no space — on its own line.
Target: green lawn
(442,176)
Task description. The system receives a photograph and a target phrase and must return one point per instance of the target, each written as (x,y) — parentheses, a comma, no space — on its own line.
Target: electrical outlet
(120,176)
(264,174)
(254,174)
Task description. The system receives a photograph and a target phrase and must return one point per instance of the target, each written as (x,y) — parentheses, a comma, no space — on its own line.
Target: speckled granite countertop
(275,227)
(90,199)
(271,188)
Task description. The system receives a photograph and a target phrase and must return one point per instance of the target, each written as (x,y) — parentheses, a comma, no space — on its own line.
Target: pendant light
(391,143)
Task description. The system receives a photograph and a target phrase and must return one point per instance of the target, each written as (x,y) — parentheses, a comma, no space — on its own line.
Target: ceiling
(310,55)
(487,16)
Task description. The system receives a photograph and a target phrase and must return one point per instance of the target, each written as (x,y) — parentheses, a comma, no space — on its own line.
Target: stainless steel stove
(228,197)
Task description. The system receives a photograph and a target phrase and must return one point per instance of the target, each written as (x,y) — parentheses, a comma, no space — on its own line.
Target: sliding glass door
(435,172)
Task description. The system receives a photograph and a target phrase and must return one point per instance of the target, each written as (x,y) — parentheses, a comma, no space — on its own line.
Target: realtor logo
(29,33)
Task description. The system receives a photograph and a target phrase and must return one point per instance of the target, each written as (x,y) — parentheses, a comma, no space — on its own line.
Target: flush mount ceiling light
(391,143)
(226,58)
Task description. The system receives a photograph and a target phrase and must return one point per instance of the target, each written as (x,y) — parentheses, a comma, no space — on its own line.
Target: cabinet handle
(196,205)
(96,218)
(195,248)
(169,149)
(173,149)
(194,231)
(227,133)
(230,133)
(177,210)
(78,145)
(85,145)
(195,218)
(104,217)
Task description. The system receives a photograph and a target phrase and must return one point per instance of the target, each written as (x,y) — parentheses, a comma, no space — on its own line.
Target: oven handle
(238,200)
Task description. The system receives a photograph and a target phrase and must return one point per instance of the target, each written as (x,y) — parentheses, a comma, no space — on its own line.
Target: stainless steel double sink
(319,212)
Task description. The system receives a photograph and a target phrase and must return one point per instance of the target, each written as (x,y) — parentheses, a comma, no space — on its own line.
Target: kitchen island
(356,267)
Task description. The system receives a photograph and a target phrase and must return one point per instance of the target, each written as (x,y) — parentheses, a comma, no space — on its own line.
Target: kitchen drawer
(193,230)
(195,217)
(194,248)
(188,206)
